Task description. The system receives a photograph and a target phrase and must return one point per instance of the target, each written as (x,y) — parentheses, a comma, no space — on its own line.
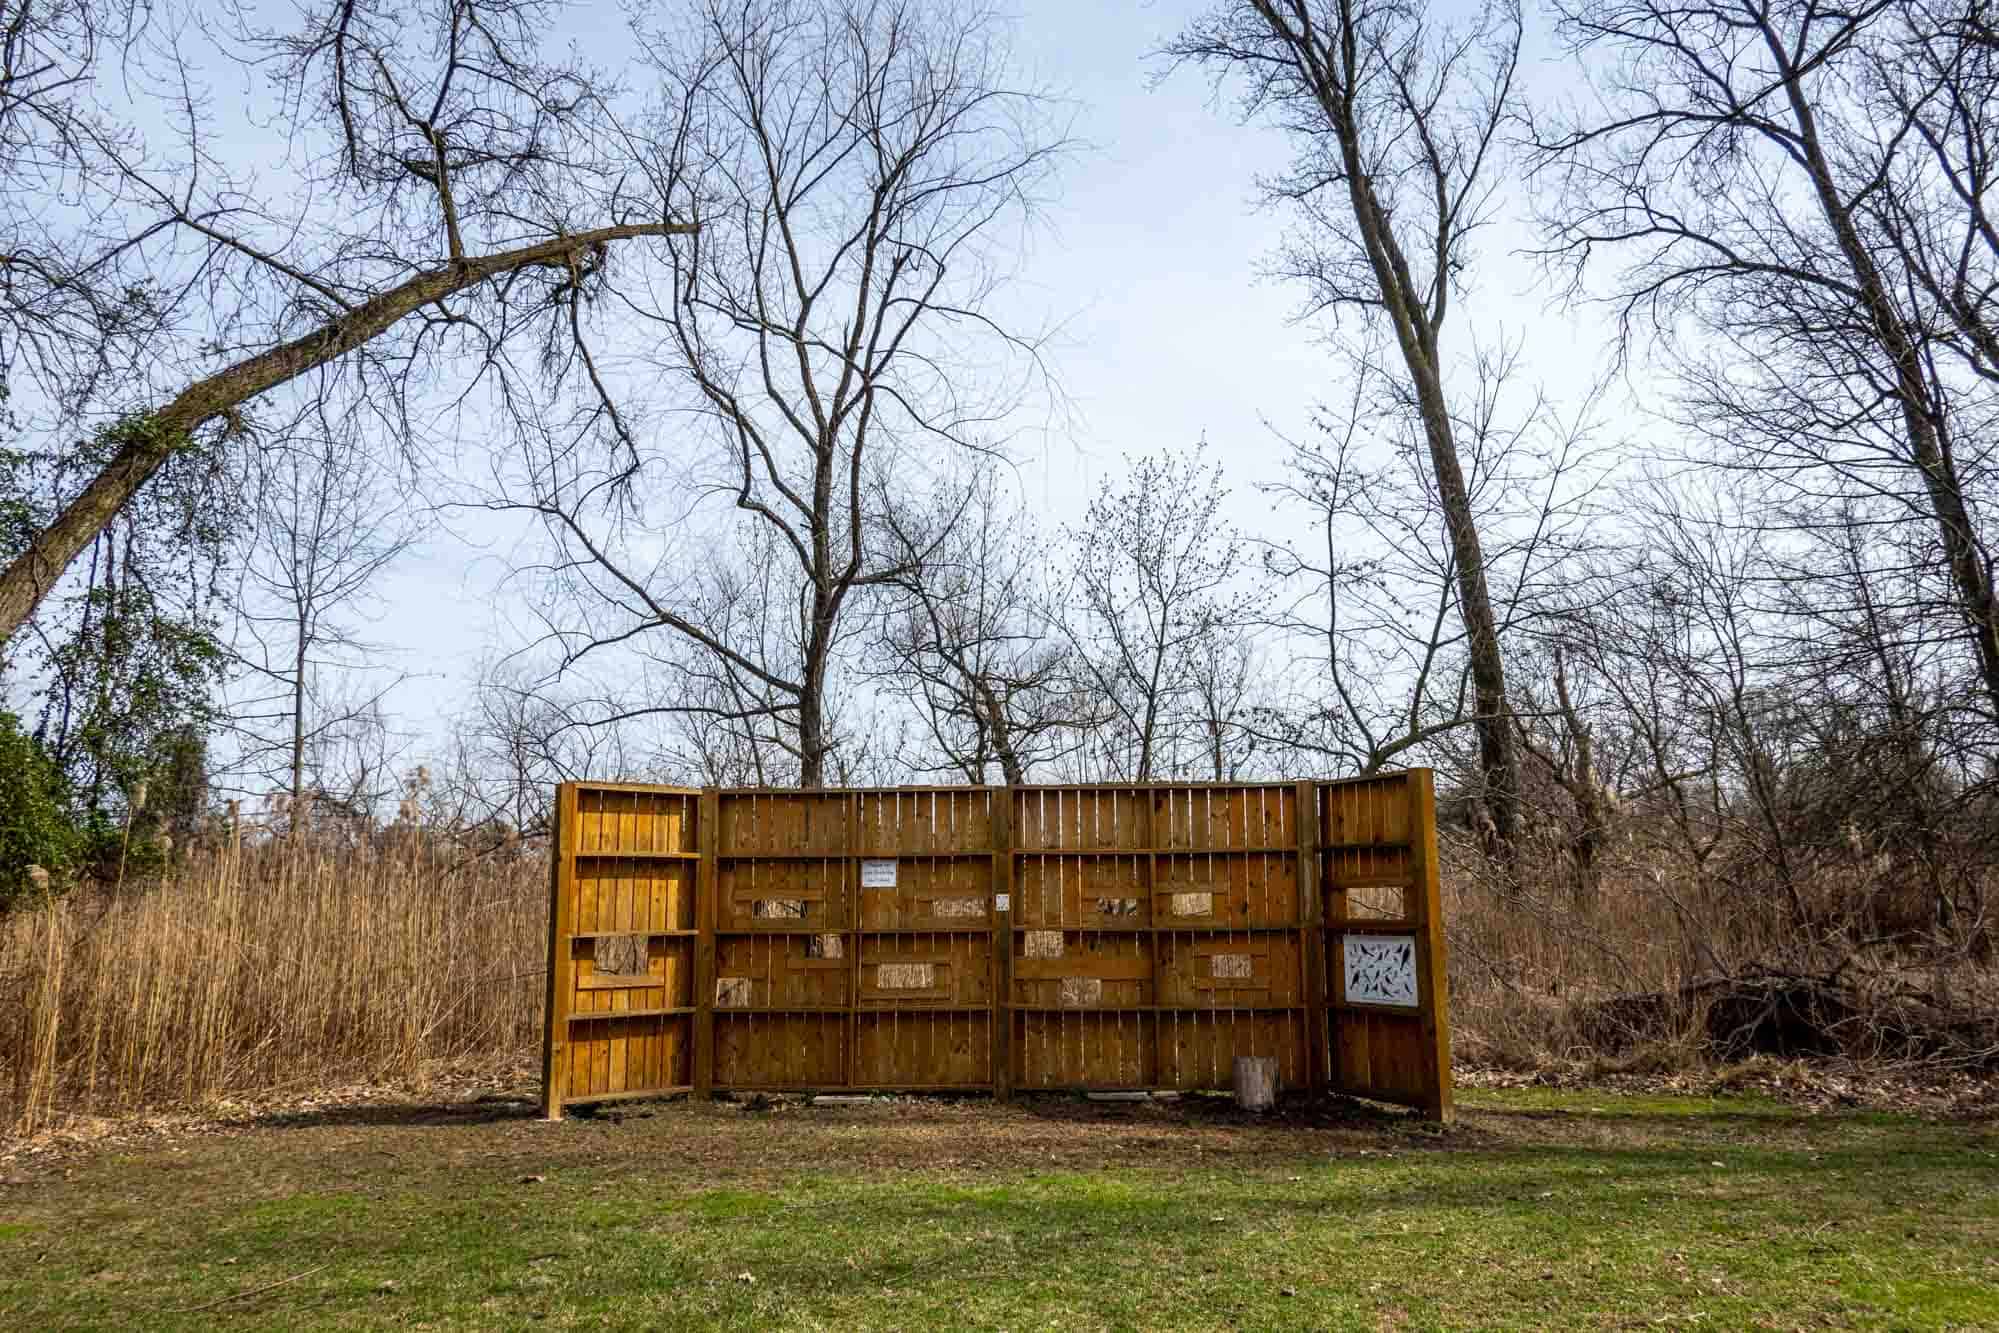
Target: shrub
(35,824)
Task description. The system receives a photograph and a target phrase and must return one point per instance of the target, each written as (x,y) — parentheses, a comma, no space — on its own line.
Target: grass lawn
(1539,1210)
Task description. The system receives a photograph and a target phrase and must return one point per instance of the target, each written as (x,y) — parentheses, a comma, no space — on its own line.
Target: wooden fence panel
(996,938)
(622,996)
(1384,944)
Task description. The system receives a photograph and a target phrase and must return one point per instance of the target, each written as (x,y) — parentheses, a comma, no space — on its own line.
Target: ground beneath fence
(1542,1207)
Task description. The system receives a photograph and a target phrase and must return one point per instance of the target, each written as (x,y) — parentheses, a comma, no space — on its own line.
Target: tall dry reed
(275,965)
(1539,978)
(270,965)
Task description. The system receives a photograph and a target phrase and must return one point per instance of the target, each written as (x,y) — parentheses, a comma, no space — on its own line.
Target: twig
(254,1291)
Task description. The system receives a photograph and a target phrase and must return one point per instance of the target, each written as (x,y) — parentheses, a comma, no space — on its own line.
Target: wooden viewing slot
(995,938)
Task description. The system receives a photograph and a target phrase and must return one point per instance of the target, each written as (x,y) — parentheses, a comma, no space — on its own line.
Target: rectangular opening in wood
(1192,904)
(619,956)
(778,909)
(957,909)
(732,992)
(906,976)
(1082,992)
(1231,967)
(822,946)
(1042,944)
(1377,902)
(1117,907)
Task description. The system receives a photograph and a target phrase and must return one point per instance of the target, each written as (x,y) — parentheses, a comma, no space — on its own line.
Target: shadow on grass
(487,1110)
(1194,1111)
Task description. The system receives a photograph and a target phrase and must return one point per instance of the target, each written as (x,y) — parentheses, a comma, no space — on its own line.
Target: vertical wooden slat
(1342,1026)
(561,894)
(707,835)
(850,879)
(1160,1040)
(1000,817)
(1431,950)
(1311,944)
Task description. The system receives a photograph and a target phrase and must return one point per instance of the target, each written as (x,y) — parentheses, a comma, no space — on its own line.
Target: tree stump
(1255,1082)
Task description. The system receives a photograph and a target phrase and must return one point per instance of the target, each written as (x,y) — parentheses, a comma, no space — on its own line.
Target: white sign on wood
(877,874)
(1381,969)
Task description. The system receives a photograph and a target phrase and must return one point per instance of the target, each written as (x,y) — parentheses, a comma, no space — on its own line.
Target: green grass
(1572,1210)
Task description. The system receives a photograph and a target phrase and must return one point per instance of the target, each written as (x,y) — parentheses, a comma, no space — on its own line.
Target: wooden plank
(663,1012)
(707,834)
(1136,968)
(561,895)
(999,818)
(1311,941)
(1148,835)
(850,916)
(660,1093)
(1431,949)
(595,785)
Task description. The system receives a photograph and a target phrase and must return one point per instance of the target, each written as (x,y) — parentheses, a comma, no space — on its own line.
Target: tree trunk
(149,441)
(811,736)
(1970,578)
(1329,66)
(298,732)
(812,743)
(1416,333)
(1002,734)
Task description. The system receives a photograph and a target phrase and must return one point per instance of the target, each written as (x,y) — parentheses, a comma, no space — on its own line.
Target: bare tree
(1755,188)
(854,162)
(451,176)
(727,718)
(1380,672)
(516,741)
(1395,117)
(323,529)
(968,639)
(67,324)
(1936,77)
(1155,581)
(1225,687)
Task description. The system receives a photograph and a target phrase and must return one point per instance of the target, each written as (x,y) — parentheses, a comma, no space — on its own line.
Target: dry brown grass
(252,966)
(257,966)
(1664,971)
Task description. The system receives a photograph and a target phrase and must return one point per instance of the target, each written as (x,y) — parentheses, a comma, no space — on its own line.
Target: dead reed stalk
(277,963)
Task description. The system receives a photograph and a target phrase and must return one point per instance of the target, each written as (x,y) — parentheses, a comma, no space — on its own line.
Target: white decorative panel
(1381,969)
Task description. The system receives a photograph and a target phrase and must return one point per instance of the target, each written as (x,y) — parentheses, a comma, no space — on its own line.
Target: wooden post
(1001,819)
(1334,913)
(850,876)
(707,887)
(1311,944)
(561,912)
(1154,1074)
(1255,1082)
(1431,980)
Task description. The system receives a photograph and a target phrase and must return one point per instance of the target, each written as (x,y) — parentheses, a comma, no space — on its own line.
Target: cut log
(1255,1082)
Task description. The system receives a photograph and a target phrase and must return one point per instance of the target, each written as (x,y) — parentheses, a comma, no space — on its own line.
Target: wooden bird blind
(994,938)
